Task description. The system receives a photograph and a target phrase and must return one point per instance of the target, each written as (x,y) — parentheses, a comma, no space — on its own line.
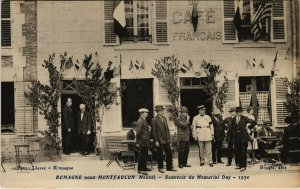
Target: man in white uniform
(203,132)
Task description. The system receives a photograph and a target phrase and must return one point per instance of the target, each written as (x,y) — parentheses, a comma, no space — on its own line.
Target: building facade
(155,29)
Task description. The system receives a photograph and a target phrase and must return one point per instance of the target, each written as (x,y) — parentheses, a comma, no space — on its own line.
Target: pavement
(82,172)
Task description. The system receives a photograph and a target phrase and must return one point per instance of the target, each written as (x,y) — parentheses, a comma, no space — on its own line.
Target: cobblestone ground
(85,173)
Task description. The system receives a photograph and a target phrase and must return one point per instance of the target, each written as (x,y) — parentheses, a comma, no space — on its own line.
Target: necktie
(237,120)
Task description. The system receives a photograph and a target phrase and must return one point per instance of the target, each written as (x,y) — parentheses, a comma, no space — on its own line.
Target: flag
(184,68)
(195,17)
(261,64)
(77,65)
(119,18)
(253,62)
(249,65)
(274,65)
(117,71)
(69,63)
(237,19)
(131,65)
(137,65)
(264,11)
(190,64)
(143,66)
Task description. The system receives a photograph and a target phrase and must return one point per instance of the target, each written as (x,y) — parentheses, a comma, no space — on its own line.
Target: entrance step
(79,157)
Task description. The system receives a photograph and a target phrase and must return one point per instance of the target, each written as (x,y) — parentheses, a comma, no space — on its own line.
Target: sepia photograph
(150,94)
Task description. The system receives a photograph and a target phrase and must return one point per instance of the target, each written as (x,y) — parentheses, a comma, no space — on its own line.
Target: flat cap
(200,107)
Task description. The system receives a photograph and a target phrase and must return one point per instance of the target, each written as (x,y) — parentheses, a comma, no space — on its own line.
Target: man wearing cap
(162,139)
(203,132)
(241,137)
(219,135)
(183,133)
(228,122)
(143,140)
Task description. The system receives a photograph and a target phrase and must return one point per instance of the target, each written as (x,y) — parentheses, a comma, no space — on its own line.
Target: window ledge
(259,44)
(136,46)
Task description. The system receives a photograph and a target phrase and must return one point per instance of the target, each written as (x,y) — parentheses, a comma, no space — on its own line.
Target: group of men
(208,131)
(84,128)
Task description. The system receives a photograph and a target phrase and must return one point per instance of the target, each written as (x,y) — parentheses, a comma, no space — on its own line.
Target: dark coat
(68,119)
(292,130)
(160,129)
(142,132)
(242,127)
(131,136)
(85,124)
(219,128)
(228,127)
(183,130)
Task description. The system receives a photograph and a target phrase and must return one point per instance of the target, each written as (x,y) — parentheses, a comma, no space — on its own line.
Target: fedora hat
(239,109)
(183,109)
(200,107)
(159,108)
(232,109)
(142,110)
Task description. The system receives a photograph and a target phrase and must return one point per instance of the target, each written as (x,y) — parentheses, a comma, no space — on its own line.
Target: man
(162,139)
(143,140)
(84,128)
(203,133)
(241,137)
(67,125)
(183,133)
(219,134)
(228,125)
(131,135)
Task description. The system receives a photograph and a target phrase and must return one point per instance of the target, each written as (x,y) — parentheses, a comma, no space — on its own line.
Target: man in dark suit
(241,137)
(67,126)
(228,127)
(143,140)
(131,135)
(183,133)
(84,128)
(162,138)
(219,131)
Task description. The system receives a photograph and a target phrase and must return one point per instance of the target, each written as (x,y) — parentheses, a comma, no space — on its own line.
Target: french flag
(119,18)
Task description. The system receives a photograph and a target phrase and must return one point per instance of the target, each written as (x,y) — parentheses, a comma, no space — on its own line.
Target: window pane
(7,106)
(128,6)
(263,83)
(142,7)
(129,20)
(143,20)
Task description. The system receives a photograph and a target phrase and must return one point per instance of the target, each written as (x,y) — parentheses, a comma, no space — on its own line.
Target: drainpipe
(294,38)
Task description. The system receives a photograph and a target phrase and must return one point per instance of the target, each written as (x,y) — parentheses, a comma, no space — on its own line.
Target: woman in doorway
(252,145)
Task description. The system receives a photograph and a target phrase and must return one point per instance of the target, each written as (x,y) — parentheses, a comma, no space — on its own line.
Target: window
(7,107)
(5,24)
(137,15)
(138,94)
(255,92)
(249,9)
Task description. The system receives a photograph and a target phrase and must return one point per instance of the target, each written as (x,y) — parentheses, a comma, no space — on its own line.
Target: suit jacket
(142,132)
(219,128)
(68,119)
(85,124)
(292,130)
(242,127)
(183,130)
(228,127)
(160,129)
(131,136)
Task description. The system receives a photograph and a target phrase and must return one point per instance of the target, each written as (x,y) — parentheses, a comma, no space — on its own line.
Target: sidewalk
(94,173)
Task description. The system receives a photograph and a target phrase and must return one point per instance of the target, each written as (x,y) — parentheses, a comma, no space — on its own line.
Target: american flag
(264,11)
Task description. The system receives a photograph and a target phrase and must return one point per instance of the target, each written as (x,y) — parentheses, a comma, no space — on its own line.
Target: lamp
(195,17)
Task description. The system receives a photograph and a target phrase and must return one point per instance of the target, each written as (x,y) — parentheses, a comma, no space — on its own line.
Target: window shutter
(161,22)
(163,94)
(281,111)
(230,96)
(229,31)
(24,111)
(5,24)
(278,21)
(110,37)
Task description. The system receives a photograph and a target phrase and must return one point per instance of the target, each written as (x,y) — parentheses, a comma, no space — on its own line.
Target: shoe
(142,173)
(211,164)
(201,164)
(172,170)
(148,169)
(161,171)
(237,167)
(221,162)
(180,166)
(228,164)
(215,162)
(243,169)
(67,153)
(187,165)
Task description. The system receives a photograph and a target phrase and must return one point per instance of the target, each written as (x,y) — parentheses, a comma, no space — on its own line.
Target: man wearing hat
(241,137)
(143,140)
(203,132)
(183,133)
(228,122)
(162,139)
(219,135)
(131,135)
